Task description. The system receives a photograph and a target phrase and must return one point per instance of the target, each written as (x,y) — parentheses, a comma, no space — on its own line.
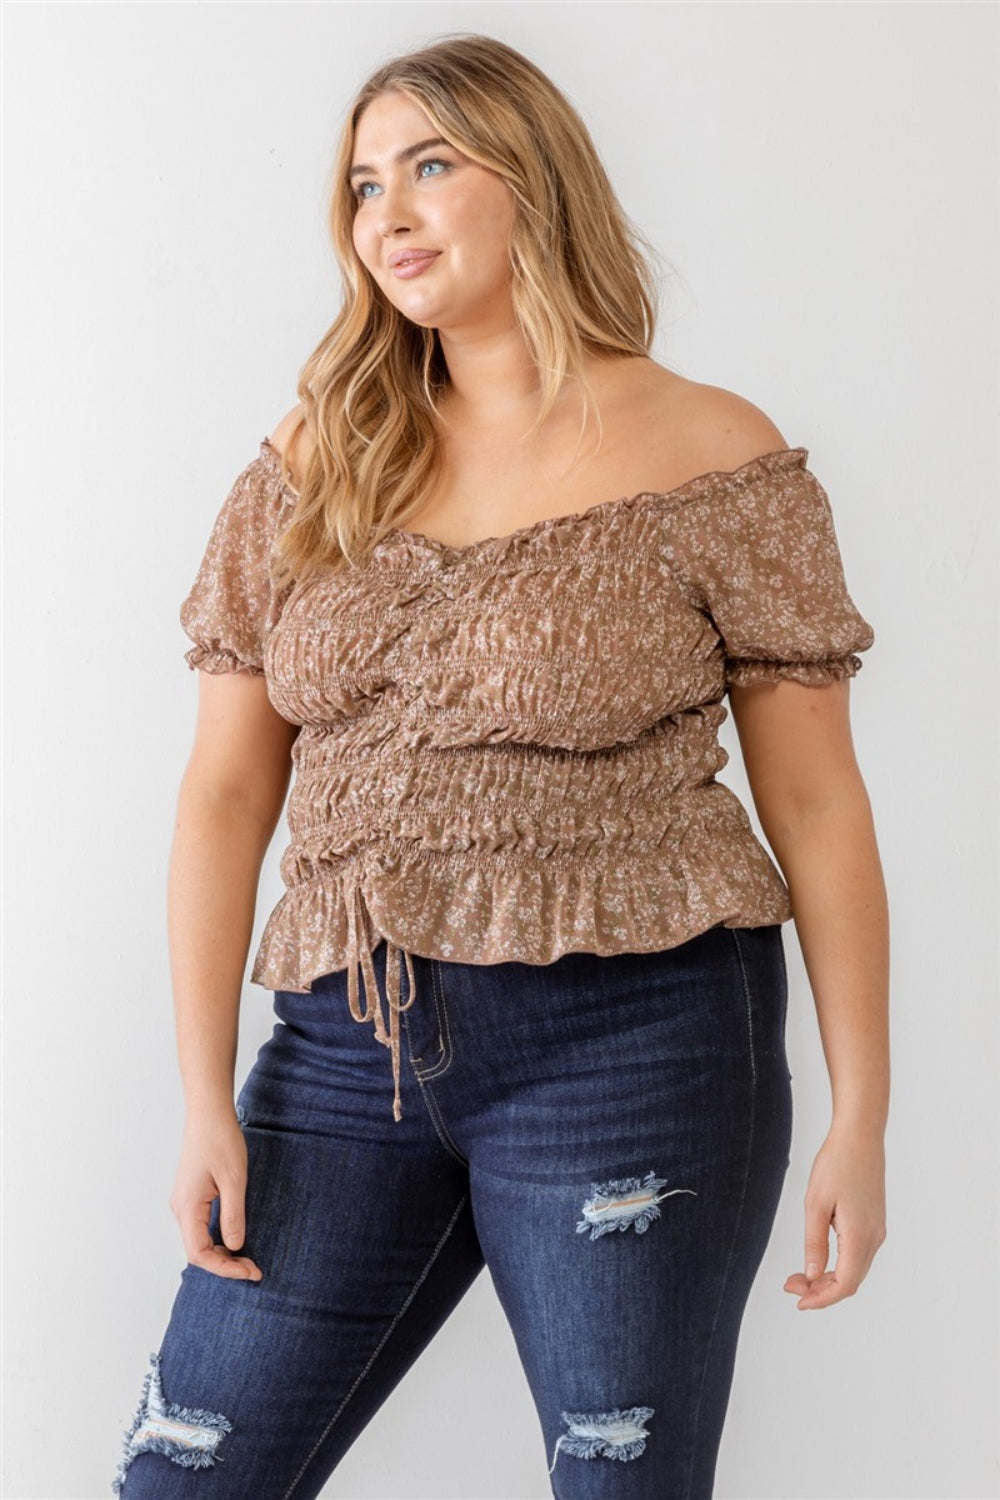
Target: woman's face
(430,199)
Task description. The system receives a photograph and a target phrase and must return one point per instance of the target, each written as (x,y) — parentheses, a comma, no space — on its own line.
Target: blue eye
(427,161)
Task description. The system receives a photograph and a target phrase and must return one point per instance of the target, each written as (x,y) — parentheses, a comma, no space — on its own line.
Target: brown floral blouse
(508,751)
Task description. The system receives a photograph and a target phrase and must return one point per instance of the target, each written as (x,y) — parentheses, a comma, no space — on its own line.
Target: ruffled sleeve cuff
(744,671)
(219,660)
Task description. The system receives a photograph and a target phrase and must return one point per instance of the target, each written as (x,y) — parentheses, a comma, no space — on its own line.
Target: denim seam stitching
(378,1349)
(437,1121)
(440,1005)
(739,1212)
(429,1071)
(431,1106)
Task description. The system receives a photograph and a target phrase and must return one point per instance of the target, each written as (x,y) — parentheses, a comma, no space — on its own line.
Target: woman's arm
(815,813)
(230,800)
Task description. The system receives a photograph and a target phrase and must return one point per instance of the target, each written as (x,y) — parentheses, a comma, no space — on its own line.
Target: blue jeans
(609,1135)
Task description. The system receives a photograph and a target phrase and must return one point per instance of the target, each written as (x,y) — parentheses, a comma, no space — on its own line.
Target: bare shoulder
(293,438)
(724,431)
(687,427)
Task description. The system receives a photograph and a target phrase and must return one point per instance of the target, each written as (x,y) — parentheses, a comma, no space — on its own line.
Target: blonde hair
(368,390)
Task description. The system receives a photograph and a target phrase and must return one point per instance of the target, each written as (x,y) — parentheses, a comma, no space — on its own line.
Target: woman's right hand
(213,1165)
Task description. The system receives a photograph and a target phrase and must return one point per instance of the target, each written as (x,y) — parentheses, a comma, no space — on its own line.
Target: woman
(484,590)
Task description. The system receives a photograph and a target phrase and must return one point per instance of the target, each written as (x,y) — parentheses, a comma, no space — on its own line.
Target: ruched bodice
(509,751)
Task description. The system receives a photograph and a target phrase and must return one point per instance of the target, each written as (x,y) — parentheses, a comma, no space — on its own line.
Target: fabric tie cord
(360,959)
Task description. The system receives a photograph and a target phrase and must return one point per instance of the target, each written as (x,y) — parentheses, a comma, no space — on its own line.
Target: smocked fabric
(508,751)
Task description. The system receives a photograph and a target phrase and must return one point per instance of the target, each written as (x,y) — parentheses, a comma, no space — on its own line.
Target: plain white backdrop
(822,179)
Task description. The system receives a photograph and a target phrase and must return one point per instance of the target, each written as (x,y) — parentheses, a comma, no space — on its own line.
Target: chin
(418,315)
(415,318)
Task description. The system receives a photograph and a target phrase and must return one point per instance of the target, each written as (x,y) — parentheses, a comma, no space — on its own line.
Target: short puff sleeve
(760,557)
(233,603)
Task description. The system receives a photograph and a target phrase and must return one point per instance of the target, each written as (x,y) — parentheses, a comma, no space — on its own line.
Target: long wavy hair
(368,391)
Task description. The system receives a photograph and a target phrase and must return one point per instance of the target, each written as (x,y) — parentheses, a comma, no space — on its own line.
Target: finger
(194,1218)
(797,1283)
(817,1242)
(821,1293)
(231,1267)
(232,1212)
(254,1272)
(203,1251)
(199,1246)
(849,1268)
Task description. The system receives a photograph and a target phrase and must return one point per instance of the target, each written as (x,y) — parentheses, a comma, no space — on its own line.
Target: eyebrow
(404,155)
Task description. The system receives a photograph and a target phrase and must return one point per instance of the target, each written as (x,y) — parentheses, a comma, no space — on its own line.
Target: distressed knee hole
(186,1435)
(617,1434)
(625,1202)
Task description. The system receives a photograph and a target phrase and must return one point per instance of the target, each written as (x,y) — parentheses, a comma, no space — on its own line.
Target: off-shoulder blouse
(508,751)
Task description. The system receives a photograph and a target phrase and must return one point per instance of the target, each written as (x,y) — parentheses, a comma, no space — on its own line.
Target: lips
(403,257)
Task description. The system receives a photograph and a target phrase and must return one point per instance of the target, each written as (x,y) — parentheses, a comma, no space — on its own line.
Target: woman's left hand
(846,1190)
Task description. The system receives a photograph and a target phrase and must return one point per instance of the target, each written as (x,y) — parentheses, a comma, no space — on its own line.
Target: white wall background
(823,179)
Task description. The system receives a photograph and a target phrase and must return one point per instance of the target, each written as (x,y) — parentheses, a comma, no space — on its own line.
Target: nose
(389,228)
(394,212)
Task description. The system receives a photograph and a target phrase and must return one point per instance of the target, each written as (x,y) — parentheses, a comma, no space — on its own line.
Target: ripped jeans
(609,1135)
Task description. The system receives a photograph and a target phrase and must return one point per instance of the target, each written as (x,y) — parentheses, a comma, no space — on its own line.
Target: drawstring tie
(359,957)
